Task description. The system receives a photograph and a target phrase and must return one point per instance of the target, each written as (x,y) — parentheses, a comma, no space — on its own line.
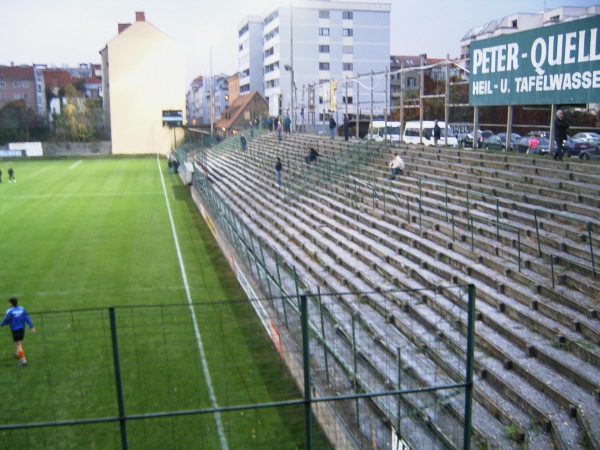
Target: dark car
(578,148)
(514,137)
(481,136)
(493,143)
(543,147)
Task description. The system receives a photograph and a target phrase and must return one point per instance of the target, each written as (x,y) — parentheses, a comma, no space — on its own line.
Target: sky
(69,32)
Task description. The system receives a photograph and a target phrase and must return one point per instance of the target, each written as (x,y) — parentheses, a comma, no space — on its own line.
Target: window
(347,32)
(2,96)
(26,95)
(17,84)
(25,84)
(323,14)
(269,52)
(323,31)
(17,96)
(347,98)
(514,24)
(411,82)
(347,15)
(348,66)
(2,85)
(555,19)
(324,66)
(323,48)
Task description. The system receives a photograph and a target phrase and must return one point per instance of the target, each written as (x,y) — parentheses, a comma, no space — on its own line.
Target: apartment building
(312,48)
(143,74)
(24,83)
(250,47)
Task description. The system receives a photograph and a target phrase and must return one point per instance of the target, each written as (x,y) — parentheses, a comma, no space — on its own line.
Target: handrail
(568,217)
(487,196)
(504,226)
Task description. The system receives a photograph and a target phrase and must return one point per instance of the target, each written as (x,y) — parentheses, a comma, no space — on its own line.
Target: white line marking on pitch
(211,390)
(72,166)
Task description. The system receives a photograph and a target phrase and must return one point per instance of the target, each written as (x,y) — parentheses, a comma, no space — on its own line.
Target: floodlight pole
(292,115)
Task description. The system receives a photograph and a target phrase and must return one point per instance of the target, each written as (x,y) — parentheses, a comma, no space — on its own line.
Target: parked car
(481,136)
(592,138)
(574,147)
(543,147)
(514,137)
(493,143)
(539,134)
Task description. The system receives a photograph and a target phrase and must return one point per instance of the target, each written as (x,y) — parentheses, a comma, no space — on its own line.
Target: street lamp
(290,69)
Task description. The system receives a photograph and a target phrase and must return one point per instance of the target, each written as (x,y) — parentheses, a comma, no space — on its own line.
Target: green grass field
(80,236)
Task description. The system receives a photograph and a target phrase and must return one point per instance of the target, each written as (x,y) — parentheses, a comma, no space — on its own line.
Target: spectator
(332,126)
(532,145)
(278,168)
(437,133)
(279,130)
(346,127)
(243,142)
(287,125)
(560,134)
(396,165)
(311,155)
(11,175)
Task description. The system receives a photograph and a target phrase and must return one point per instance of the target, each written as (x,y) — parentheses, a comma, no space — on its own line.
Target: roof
(17,72)
(57,78)
(232,113)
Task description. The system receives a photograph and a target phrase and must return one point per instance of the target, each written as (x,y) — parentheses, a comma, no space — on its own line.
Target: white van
(411,133)
(378,132)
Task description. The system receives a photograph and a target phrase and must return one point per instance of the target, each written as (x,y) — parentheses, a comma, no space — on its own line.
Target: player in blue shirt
(17,317)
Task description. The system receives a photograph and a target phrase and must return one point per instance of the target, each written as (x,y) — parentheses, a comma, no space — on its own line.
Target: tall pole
(212,100)
(402,98)
(385,111)
(371,122)
(447,99)
(357,107)
(292,114)
(421,103)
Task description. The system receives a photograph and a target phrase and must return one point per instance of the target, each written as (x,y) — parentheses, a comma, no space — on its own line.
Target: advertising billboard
(557,64)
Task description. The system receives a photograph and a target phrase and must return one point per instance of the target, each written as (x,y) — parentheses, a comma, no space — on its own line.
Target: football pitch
(111,257)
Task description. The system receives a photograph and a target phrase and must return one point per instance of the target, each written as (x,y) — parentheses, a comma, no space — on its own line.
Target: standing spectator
(0,176)
(11,175)
(288,125)
(396,164)
(332,126)
(278,167)
(279,130)
(437,133)
(243,142)
(560,134)
(17,317)
(532,145)
(346,127)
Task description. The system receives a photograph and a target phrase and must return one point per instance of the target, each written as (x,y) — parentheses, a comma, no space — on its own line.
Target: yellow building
(143,74)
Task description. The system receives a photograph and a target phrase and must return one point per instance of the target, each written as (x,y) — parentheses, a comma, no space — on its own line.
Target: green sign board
(557,64)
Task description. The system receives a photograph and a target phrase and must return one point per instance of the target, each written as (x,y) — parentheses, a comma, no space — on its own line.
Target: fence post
(355,364)
(323,333)
(118,384)
(399,387)
(306,363)
(589,230)
(469,368)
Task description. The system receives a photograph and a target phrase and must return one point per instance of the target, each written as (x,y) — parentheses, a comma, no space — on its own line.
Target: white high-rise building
(250,39)
(322,45)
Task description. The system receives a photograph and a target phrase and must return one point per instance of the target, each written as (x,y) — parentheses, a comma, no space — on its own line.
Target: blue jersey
(16,317)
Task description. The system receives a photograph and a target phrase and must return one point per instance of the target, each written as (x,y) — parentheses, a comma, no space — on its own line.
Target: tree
(20,123)
(77,122)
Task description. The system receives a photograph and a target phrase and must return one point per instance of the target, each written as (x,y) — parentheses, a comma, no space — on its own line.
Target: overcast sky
(59,32)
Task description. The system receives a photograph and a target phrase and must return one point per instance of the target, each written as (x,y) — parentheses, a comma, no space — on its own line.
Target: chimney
(123,26)
(140,16)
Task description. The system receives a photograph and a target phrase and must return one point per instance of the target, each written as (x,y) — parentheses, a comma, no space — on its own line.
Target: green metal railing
(570,218)
(471,218)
